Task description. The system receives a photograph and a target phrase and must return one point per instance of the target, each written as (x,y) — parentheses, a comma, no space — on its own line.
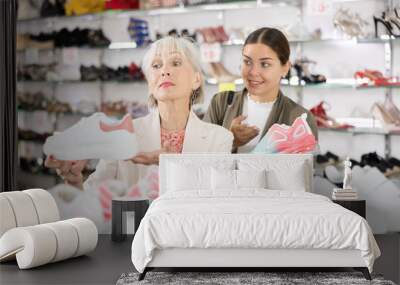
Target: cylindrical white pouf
(45,205)
(23,207)
(67,239)
(87,233)
(36,245)
(7,218)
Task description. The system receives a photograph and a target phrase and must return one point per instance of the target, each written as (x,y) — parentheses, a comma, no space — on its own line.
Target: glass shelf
(57,113)
(236,43)
(361,131)
(330,84)
(79,81)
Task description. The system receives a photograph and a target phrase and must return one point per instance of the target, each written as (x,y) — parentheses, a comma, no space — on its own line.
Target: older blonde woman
(175,83)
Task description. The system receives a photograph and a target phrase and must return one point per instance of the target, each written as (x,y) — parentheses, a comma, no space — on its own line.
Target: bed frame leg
(364,271)
(143,274)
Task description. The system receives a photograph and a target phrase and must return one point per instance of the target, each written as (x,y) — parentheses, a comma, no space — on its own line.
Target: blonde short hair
(186,48)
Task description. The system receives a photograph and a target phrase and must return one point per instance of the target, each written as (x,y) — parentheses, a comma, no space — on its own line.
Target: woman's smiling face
(261,69)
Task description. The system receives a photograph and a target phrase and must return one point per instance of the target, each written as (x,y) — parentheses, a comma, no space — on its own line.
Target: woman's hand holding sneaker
(69,170)
(152,157)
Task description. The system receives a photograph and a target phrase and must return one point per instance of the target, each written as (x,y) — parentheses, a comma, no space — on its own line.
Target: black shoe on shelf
(322,159)
(96,38)
(332,157)
(354,163)
(394,161)
(374,160)
(52,8)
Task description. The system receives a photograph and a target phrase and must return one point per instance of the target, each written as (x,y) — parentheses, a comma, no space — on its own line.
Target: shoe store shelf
(235,5)
(57,112)
(238,43)
(361,131)
(80,81)
(331,83)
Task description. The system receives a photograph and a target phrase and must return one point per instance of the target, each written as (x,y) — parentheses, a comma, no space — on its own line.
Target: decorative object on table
(122,210)
(31,231)
(297,138)
(94,137)
(347,192)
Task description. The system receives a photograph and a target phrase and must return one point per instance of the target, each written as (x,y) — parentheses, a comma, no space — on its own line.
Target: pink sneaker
(297,138)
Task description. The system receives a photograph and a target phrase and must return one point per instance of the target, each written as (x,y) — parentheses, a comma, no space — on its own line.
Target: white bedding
(252,218)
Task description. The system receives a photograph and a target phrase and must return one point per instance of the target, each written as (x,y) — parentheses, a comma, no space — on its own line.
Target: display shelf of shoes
(181,9)
(361,131)
(331,83)
(236,43)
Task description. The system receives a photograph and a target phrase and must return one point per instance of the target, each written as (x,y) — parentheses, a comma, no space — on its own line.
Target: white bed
(199,220)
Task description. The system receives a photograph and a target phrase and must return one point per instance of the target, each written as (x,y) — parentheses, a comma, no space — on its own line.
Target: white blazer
(199,137)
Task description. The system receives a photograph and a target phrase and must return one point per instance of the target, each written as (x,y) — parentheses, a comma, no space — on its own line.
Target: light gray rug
(243,278)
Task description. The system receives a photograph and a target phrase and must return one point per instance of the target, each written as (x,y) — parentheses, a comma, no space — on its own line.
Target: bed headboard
(285,165)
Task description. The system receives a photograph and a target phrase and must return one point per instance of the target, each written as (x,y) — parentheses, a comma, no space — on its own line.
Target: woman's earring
(193,97)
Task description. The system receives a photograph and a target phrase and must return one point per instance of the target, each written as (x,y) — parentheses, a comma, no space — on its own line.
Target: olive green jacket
(284,111)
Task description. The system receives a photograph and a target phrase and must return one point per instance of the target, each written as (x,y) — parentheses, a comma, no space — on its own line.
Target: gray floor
(103,266)
(110,260)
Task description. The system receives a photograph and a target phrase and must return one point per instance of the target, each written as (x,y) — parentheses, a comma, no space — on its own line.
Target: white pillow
(225,179)
(188,174)
(283,174)
(182,178)
(251,178)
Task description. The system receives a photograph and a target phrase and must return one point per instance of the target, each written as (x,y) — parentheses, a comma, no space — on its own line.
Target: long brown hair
(274,39)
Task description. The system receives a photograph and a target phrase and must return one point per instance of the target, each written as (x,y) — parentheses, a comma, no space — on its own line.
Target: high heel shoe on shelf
(369,77)
(392,109)
(304,74)
(221,74)
(389,123)
(324,121)
(390,22)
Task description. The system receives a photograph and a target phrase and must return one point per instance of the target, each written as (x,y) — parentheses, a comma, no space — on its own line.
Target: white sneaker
(94,137)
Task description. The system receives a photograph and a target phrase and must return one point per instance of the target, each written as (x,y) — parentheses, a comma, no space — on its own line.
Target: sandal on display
(369,77)
(380,113)
(392,109)
(389,21)
(350,24)
(221,74)
(323,120)
(304,74)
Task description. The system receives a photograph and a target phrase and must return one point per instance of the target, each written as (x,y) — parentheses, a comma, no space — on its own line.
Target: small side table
(119,207)
(357,206)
